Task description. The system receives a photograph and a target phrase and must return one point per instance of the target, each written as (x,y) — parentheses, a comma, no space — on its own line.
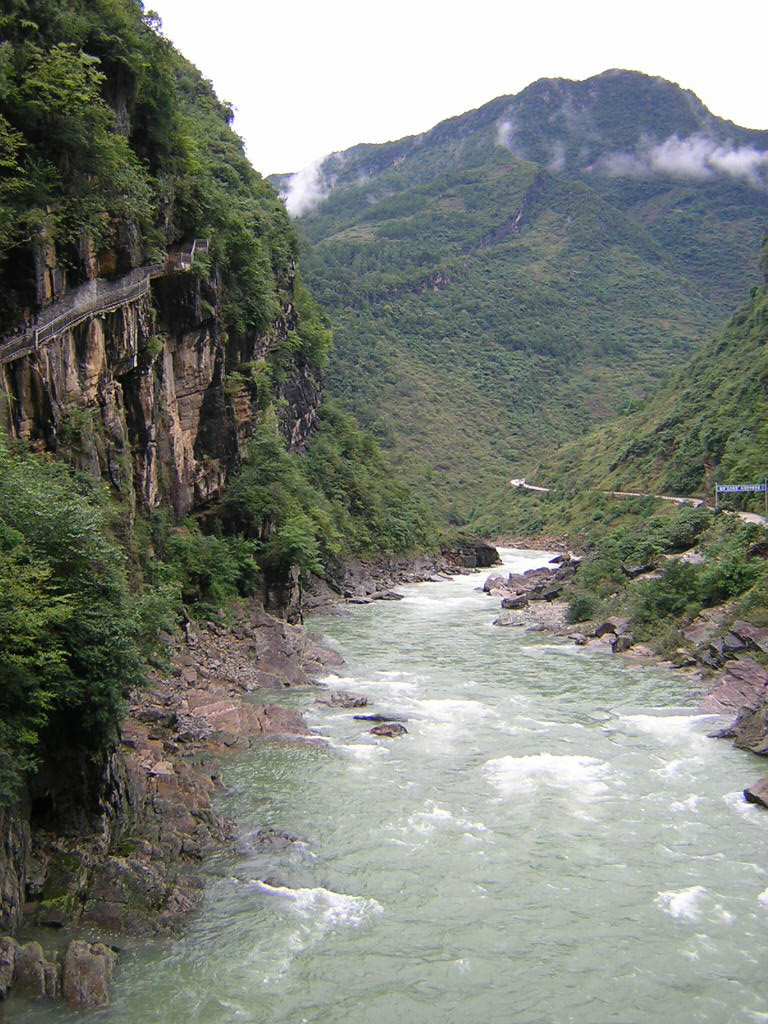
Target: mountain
(707,425)
(502,282)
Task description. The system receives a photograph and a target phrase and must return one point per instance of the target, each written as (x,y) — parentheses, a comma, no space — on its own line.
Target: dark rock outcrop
(342,699)
(15,846)
(389,730)
(757,793)
(87,974)
(742,686)
(473,553)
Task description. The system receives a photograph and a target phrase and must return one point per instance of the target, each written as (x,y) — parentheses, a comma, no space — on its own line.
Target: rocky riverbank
(726,656)
(366,581)
(137,869)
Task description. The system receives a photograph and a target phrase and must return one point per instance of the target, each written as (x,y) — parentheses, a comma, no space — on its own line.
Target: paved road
(748,517)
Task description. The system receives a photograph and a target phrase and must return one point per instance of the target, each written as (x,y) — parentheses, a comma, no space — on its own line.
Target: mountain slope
(708,424)
(526,269)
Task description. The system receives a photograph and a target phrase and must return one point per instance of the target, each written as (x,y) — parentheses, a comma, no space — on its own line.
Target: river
(555,840)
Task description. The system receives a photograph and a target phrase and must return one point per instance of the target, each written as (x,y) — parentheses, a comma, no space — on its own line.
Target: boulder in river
(516,602)
(8,947)
(494,582)
(615,625)
(342,699)
(29,970)
(509,618)
(87,974)
(389,729)
(269,839)
(743,685)
(757,793)
(622,643)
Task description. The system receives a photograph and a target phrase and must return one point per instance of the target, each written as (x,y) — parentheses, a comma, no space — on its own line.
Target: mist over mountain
(526,269)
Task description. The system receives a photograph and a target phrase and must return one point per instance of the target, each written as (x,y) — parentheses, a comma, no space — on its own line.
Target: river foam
(579,774)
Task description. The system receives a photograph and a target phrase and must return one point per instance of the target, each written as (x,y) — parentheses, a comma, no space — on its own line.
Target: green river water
(555,840)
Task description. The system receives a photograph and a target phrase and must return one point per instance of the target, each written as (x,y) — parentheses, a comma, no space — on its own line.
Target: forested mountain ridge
(523,270)
(708,424)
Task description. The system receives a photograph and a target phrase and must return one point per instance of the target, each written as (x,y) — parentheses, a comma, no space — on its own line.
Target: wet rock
(615,625)
(15,846)
(546,592)
(387,595)
(578,638)
(519,601)
(517,582)
(8,947)
(683,659)
(604,642)
(622,643)
(536,574)
(276,720)
(744,684)
(750,730)
(733,645)
(754,637)
(389,730)
(473,553)
(494,582)
(342,699)
(509,618)
(52,978)
(270,839)
(87,974)
(757,793)
(29,970)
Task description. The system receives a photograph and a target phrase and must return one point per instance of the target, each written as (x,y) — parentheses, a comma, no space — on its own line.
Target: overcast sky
(309,78)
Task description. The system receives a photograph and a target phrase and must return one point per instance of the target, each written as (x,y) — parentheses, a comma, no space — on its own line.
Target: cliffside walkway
(95,298)
(91,299)
(748,517)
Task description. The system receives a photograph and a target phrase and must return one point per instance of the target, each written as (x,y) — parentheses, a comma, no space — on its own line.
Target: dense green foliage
(489,300)
(107,133)
(708,424)
(73,633)
(338,501)
(672,595)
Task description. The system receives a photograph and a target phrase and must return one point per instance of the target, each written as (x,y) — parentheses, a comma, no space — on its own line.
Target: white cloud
(505,133)
(696,157)
(557,163)
(306,189)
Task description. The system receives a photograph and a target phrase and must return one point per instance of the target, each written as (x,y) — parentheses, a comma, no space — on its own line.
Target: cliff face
(153,397)
(14,859)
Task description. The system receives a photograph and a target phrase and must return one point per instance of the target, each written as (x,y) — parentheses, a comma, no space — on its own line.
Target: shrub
(581,607)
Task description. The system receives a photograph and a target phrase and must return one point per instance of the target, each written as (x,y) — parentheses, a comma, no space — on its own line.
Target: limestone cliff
(156,396)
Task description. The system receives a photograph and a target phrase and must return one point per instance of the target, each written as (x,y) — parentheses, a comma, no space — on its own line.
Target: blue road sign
(739,488)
